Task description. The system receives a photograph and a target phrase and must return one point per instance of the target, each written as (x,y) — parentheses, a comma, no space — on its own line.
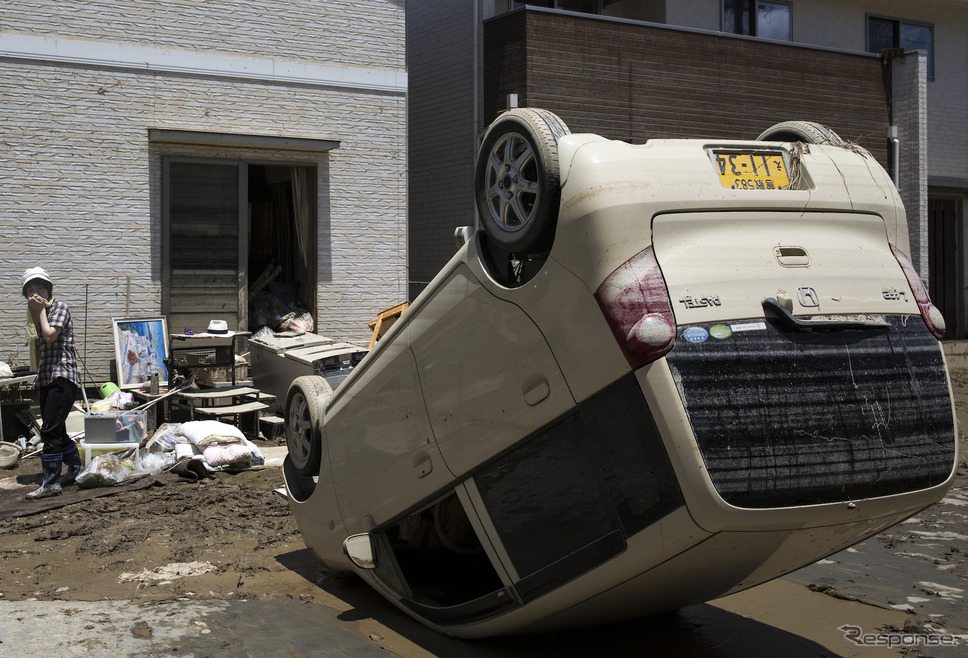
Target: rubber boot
(72,458)
(51,485)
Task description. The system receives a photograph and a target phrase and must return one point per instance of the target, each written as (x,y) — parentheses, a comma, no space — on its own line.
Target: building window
(584,6)
(886,33)
(769,20)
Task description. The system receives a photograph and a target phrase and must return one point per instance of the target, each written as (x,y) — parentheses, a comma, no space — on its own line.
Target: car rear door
(488,376)
(843,395)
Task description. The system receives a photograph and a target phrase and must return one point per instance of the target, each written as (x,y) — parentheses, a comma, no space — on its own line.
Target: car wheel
(517,182)
(808,132)
(303,439)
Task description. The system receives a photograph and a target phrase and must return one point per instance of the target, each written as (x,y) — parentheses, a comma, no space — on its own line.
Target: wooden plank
(384,321)
(232,410)
(272,426)
(223,393)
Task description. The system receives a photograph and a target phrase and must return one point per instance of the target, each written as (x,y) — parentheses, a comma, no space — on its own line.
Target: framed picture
(140,347)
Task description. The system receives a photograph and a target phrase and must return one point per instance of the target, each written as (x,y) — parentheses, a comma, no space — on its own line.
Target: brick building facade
(635,69)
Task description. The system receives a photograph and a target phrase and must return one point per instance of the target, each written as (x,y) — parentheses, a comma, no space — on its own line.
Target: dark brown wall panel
(635,82)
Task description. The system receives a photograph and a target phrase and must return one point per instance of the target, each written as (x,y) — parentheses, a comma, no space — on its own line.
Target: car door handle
(792,256)
(535,389)
(423,465)
(784,314)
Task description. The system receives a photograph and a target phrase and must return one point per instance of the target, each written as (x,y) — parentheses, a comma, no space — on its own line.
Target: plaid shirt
(57,359)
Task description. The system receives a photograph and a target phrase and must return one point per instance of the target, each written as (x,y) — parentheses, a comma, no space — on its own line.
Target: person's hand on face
(36,298)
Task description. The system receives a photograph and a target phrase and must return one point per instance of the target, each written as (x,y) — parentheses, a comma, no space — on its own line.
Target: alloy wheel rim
(511,186)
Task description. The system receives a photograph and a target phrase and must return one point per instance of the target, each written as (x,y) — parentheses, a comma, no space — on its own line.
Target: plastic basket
(222,374)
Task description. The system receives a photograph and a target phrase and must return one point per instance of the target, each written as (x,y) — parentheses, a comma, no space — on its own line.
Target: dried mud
(227,537)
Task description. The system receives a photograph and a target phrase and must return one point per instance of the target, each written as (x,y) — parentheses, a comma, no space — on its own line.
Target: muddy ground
(224,537)
(232,538)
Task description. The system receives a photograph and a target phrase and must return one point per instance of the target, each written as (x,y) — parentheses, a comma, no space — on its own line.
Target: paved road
(798,624)
(918,566)
(108,629)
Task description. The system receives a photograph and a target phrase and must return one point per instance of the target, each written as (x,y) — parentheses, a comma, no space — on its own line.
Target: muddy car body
(707,364)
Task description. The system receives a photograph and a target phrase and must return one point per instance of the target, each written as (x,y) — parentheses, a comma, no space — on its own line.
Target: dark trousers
(56,401)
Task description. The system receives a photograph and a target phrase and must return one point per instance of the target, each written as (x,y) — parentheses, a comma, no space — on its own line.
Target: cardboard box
(91,450)
(116,427)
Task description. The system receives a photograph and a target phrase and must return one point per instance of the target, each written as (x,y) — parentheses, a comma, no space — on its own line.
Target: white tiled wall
(80,184)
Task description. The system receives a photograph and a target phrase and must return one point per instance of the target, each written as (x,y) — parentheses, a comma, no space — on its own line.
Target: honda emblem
(808,297)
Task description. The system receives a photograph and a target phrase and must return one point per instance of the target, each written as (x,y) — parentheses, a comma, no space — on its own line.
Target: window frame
(754,18)
(898,23)
(555,4)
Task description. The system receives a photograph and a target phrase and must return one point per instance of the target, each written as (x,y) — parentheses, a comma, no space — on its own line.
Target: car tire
(303,437)
(808,132)
(517,183)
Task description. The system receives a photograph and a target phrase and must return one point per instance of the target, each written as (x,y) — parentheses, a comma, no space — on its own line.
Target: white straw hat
(218,327)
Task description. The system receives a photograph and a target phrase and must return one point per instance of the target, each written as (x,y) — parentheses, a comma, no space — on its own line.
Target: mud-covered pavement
(919,566)
(218,567)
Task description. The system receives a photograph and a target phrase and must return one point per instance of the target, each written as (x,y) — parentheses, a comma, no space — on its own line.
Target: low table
(244,405)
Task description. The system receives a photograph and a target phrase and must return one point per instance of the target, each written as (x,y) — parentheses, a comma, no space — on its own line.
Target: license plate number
(751,170)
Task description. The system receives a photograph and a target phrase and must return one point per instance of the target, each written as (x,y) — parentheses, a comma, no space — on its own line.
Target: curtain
(302,206)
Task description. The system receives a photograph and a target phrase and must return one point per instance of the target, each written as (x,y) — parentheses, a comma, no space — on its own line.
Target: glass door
(204,277)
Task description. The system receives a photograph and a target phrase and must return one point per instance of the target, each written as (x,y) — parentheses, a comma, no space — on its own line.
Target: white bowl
(9,453)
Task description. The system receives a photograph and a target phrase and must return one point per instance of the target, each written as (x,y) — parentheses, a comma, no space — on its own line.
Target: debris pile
(194,449)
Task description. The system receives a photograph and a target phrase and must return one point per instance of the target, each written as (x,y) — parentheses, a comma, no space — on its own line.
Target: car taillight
(637,307)
(929,312)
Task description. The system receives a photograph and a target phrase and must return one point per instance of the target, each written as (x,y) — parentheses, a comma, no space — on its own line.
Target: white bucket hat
(34,273)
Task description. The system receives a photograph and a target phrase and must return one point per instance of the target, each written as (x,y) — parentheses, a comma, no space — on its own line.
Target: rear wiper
(834,324)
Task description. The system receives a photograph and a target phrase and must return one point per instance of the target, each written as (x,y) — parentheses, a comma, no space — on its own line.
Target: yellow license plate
(751,170)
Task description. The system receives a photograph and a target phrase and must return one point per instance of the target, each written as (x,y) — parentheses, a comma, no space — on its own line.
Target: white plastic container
(115,427)
(91,450)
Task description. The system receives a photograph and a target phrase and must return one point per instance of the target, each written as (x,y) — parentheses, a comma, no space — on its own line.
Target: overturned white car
(661,374)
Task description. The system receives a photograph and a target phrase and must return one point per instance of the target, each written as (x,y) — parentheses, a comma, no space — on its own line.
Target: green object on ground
(107,388)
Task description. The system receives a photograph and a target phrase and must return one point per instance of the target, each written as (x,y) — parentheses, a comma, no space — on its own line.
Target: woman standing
(57,380)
